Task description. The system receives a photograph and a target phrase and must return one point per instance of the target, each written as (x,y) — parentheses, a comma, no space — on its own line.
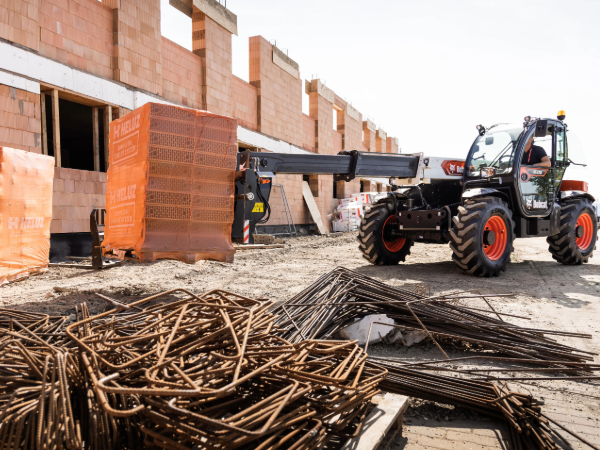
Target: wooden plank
(56,127)
(107,121)
(389,411)
(257,246)
(312,207)
(44,129)
(96,137)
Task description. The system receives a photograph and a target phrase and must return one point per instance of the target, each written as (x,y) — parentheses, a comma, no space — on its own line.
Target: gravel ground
(552,296)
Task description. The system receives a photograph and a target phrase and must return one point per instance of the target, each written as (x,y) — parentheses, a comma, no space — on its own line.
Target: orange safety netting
(26,181)
(170,185)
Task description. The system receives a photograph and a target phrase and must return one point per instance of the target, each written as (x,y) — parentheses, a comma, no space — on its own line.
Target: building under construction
(70,67)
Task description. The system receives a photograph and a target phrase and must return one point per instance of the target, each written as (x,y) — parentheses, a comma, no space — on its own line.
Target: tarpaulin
(26,180)
(170,185)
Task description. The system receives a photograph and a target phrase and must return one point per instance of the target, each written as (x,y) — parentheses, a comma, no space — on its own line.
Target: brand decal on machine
(453,167)
(123,194)
(15,223)
(534,204)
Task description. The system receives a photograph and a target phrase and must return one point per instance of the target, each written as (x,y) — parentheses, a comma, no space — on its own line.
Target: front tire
(373,245)
(576,241)
(482,237)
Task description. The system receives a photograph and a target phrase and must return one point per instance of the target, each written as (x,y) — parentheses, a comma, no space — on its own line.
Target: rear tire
(372,244)
(482,237)
(566,247)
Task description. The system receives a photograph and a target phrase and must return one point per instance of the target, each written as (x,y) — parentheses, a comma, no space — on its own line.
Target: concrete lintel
(27,70)
(351,111)
(282,60)
(370,125)
(185,6)
(15,81)
(318,87)
(381,134)
(218,13)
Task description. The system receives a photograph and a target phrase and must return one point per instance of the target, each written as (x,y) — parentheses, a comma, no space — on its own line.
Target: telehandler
(478,205)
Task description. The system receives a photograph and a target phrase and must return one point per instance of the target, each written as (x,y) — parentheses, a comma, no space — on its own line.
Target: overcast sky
(428,72)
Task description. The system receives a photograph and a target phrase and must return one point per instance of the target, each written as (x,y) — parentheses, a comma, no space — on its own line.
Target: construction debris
(197,372)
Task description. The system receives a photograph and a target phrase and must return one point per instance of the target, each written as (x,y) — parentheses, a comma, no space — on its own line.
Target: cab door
(537,183)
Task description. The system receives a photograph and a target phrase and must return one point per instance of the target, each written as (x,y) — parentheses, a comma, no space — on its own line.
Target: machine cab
(526,163)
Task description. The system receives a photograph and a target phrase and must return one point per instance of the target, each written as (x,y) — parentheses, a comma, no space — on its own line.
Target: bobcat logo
(453,168)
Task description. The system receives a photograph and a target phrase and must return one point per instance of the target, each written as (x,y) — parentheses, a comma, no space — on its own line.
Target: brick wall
(308,133)
(347,189)
(279,95)
(321,110)
(337,142)
(392,145)
(138,44)
(381,141)
(351,130)
(20,119)
(245,103)
(212,43)
(76,193)
(293,191)
(78,33)
(369,141)
(19,22)
(182,75)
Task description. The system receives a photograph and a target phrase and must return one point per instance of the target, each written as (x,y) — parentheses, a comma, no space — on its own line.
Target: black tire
(467,237)
(563,246)
(370,236)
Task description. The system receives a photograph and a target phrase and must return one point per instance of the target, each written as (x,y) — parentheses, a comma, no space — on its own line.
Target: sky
(427,72)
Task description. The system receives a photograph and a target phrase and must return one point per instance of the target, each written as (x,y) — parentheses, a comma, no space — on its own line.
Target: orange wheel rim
(585,221)
(392,246)
(495,251)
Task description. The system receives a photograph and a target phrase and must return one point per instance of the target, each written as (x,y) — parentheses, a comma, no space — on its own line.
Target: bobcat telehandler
(498,199)
(478,205)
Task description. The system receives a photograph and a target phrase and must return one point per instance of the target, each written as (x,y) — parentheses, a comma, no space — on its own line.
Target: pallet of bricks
(350,212)
(170,188)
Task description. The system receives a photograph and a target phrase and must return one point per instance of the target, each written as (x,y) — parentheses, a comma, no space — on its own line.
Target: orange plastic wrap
(170,185)
(25,213)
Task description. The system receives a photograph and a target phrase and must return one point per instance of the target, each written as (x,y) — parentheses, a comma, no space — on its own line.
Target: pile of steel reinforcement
(221,371)
(198,372)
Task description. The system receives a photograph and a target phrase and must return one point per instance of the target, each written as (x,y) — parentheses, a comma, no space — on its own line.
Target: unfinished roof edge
(370,125)
(185,6)
(320,88)
(286,63)
(352,112)
(213,9)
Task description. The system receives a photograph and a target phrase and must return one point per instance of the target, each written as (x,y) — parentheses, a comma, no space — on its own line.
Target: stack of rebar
(529,428)
(343,296)
(202,372)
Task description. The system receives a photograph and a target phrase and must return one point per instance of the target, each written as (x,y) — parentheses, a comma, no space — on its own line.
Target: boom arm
(345,166)
(256,169)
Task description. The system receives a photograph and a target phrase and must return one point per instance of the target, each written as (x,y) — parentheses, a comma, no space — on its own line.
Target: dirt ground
(554,297)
